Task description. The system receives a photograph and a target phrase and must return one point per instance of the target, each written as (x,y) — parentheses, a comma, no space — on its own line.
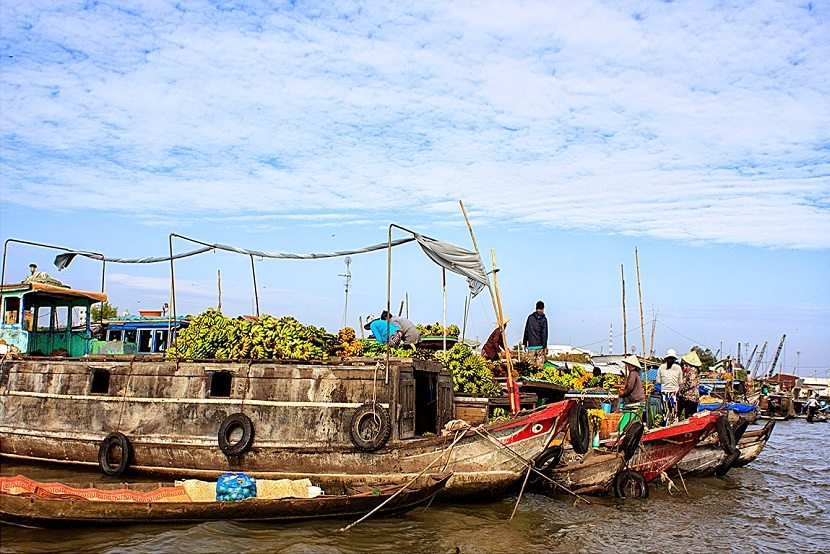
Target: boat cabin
(137,334)
(45,319)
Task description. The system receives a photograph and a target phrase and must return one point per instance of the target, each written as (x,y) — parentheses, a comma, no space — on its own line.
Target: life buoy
(114,454)
(545,463)
(630,440)
(725,435)
(727,463)
(370,427)
(579,429)
(230,425)
(739,428)
(630,484)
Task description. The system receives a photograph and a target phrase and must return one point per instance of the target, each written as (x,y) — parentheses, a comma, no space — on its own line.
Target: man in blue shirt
(381,329)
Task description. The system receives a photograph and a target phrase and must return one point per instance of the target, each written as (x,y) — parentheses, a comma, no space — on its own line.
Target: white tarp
(456,259)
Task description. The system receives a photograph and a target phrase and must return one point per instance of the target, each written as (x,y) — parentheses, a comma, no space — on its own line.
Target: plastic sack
(232,487)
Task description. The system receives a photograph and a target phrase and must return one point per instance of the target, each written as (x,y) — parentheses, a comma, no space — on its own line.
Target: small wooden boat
(593,473)
(56,504)
(753,442)
(662,447)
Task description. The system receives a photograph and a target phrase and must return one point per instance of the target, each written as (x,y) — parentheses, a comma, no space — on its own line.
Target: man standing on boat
(536,335)
(670,379)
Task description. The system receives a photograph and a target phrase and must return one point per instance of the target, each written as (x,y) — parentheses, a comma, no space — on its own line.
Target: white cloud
(710,122)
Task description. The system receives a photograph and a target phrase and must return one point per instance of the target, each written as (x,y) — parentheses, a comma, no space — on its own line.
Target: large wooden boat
(331,420)
(27,502)
(662,447)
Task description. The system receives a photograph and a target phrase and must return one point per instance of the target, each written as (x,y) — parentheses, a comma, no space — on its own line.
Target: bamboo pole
(219,287)
(444,306)
(514,408)
(625,321)
(653,325)
(640,294)
(514,396)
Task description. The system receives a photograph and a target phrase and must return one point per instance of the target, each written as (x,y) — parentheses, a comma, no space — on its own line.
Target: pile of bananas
(437,330)
(211,335)
(471,373)
(347,344)
(373,349)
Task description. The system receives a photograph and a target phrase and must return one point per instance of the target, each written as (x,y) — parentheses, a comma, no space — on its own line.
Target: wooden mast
(625,322)
(512,393)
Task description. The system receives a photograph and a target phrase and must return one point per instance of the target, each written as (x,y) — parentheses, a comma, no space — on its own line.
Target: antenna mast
(348,277)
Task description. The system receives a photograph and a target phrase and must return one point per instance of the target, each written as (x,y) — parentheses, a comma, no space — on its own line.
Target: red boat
(663,447)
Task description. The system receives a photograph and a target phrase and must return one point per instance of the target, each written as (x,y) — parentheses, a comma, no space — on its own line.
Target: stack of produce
(607,381)
(212,335)
(437,330)
(373,348)
(347,344)
(470,372)
(574,378)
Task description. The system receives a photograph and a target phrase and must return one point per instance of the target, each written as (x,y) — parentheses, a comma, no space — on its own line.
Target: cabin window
(220,384)
(114,334)
(129,336)
(100,382)
(161,341)
(145,340)
(44,318)
(61,318)
(11,310)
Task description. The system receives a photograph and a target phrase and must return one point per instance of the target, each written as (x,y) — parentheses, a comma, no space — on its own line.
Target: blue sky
(698,132)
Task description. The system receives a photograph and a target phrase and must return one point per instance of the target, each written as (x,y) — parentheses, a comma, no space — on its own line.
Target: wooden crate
(610,424)
(471,409)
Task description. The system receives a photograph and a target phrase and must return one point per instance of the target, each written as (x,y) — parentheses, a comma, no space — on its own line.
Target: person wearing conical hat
(670,379)
(632,395)
(495,344)
(689,394)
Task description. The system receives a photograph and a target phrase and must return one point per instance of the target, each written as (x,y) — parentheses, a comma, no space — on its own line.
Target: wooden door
(445,401)
(406,407)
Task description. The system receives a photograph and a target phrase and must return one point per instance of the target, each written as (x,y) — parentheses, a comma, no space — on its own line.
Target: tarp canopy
(51,291)
(456,259)
(62,261)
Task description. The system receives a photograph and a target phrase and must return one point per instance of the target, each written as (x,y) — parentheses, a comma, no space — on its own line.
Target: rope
(529,464)
(379,506)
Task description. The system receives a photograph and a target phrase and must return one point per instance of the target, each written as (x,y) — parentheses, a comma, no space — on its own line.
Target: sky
(574,132)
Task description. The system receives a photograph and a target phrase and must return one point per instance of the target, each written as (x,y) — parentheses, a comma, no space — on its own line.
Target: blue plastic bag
(232,487)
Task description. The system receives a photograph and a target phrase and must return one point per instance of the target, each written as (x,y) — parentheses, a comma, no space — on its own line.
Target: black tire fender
(727,463)
(545,463)
(630,440)
(739,428)
(370,427)
(579,429)
(630,484)
(725,435)
(108,446)
(228,426)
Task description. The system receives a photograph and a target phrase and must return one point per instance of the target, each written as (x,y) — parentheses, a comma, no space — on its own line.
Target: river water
(779,503)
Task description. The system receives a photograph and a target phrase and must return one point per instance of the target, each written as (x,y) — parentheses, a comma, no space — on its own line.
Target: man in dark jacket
(536,335)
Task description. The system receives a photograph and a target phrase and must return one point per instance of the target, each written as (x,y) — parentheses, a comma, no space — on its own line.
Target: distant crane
(758,361)
(749,360)
(777,353)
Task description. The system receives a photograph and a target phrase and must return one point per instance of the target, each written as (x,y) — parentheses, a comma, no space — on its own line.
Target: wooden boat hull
(34,510)
(752,443)
(663,447)
(593,474)
(702,461)
(300,416)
